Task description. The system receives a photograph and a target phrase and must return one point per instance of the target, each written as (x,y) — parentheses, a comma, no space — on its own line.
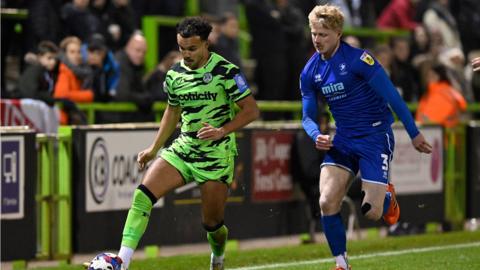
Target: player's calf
(371,212)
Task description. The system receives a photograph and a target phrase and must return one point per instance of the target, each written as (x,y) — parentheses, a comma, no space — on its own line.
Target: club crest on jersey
(343,69)
(367,59)
(207,77)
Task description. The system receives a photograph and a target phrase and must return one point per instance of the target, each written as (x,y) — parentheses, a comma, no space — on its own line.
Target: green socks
(217,240)
(137,218)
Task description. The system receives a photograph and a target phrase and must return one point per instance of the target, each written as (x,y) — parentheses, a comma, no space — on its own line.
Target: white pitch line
(358,257)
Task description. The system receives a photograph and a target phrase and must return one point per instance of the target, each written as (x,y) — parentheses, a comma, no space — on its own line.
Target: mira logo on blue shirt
(332,88)
(334,91)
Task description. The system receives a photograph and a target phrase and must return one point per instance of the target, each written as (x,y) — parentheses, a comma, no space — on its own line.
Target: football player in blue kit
(358,93)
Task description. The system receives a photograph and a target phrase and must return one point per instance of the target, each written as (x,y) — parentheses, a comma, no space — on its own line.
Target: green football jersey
(206,95)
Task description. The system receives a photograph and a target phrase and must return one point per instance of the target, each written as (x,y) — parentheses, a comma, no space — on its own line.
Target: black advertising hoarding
(18,214)
(105,176)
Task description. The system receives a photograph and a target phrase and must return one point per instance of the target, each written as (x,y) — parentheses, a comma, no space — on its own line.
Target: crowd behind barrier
(410,39)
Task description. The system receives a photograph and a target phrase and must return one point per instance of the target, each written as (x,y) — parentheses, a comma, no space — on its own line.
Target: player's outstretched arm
(168,124)
(383,86)
(248,112)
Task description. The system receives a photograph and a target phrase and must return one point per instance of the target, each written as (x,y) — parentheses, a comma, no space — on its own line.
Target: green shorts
(200,169)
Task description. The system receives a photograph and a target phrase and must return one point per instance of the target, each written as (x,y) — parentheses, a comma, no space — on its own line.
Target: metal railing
(294,107)
(54,196)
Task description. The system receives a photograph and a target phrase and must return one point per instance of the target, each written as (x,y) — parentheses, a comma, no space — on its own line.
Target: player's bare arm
(248,112)
(167,127)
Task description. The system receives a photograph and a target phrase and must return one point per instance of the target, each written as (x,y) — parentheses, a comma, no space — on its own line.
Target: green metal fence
(54,196)
(294,107)
(455,176)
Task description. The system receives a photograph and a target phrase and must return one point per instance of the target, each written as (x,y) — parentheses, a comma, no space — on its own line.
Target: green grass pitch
(458,250)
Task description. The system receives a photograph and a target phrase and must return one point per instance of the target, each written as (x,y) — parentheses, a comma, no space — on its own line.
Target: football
(105,261)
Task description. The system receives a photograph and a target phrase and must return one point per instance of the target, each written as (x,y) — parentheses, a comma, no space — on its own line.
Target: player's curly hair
(194,26)
(327,16)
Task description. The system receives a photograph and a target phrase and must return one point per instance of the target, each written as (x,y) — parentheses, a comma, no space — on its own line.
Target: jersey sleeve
(236,85)
(364,64)
(168,88)
(368,67)
(309,107)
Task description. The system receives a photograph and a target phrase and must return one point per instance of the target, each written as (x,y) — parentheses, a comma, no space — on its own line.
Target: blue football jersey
(342,80)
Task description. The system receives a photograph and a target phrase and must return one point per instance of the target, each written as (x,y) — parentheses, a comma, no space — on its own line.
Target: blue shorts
(370,154)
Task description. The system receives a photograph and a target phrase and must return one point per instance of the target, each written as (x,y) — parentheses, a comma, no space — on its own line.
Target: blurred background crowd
(83,51)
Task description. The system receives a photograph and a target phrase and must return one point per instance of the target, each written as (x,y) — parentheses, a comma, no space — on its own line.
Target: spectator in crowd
(99,9)
(130,86)
(166,34)
(38,79)
(357,13)
(78,20)
(384,55)
(403,73)
(476,64)
(293,25)
(219,7)
(215,21)
(475,73)
(123,23)
(154,82)
(68,85)
(454,60)
(439,18)
(43,22)
(117,21)
(467,15)
(398,14)
(227,40)
(105,69)
(269,49)
(420,41)
(352,41)
(441,104)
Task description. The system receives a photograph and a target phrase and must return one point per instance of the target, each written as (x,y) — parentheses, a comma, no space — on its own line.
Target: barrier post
(455,177)
(44,192)
(54,195)
(63,195)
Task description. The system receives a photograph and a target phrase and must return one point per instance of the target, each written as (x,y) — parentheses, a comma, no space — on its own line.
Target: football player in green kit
(202,90)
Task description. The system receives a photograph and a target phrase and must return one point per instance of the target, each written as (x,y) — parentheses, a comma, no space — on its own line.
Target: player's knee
(212,225)
(329,205)
(371,212)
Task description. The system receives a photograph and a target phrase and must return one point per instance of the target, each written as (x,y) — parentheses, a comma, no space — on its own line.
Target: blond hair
(70,39)
(328,16)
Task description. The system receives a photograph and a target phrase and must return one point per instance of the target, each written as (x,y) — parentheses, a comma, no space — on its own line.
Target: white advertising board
(112,174)
(412,172)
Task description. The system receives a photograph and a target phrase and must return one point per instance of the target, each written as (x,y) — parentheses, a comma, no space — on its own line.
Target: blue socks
(335,233)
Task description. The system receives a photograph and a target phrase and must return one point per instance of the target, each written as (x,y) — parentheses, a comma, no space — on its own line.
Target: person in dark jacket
(43,22)
(78,20)
(38,79)
(130,85)
(104,67)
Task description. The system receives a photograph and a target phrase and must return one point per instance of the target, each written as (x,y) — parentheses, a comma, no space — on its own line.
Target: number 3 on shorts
(385,162)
